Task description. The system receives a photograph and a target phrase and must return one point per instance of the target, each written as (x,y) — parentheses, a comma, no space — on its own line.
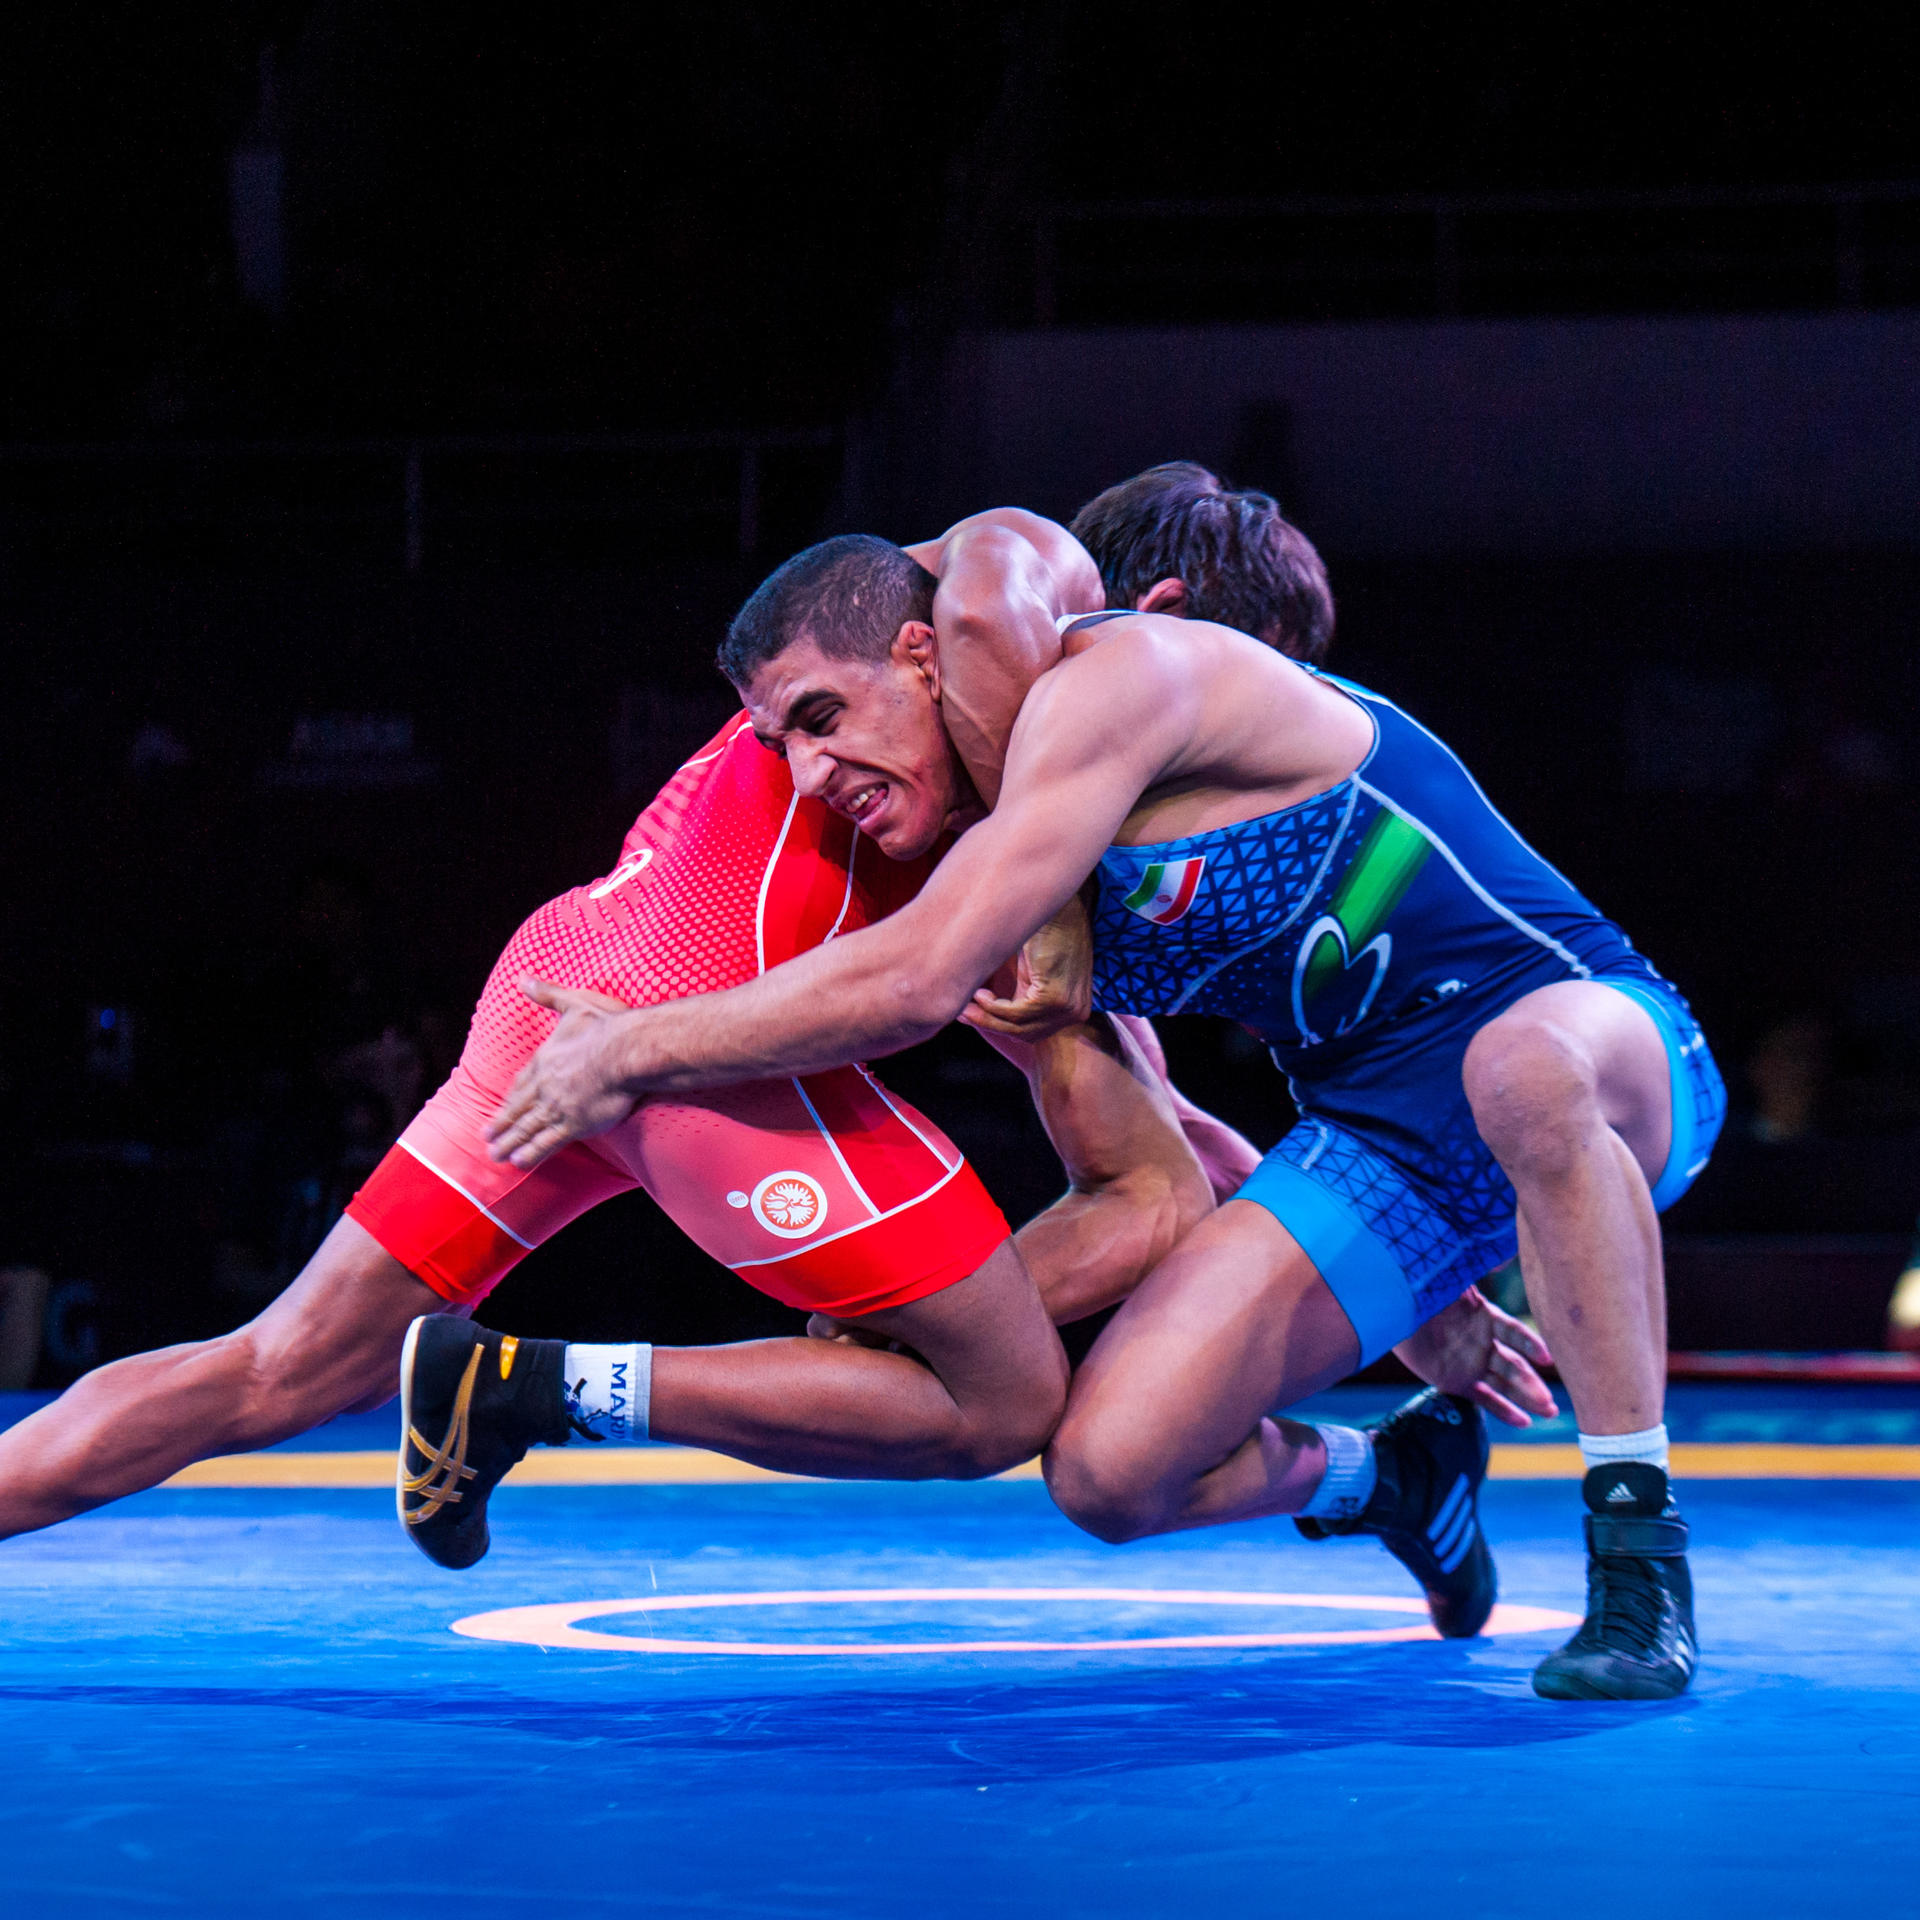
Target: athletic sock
(1347,1485)
(1610,1449)
(610,1390)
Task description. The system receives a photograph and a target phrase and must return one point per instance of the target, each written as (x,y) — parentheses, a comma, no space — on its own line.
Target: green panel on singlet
(1382,871)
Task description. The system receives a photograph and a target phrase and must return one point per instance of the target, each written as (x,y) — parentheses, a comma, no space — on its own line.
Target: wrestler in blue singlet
(1366,935)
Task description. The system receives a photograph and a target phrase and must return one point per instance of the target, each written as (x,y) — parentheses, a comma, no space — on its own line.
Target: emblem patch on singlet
(1331,995)
(790,1205)
(1166,890)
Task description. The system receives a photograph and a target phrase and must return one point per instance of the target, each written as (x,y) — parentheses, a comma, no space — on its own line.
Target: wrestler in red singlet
(826,1192)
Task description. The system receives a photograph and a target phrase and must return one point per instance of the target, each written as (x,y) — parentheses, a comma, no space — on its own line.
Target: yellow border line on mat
(1727,1460)
(609,1467)
(692,1466)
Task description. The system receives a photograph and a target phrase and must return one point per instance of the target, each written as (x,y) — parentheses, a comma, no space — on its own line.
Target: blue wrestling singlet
(1366,935)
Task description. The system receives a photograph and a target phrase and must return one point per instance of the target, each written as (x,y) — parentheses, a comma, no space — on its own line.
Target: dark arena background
(395,406)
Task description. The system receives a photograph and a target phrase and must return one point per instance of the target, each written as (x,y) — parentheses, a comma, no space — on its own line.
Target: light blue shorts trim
(1395,1242)
(1392,1248)
(1372,1289)
(1699,1094)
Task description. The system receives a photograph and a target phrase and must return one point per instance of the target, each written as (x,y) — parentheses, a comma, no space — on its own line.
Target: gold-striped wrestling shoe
(471,1403)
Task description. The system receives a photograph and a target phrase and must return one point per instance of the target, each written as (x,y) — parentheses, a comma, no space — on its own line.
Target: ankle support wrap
(1649,1539)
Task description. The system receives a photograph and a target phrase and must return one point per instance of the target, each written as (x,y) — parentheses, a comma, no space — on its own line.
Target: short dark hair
(850,596)
(1244,565)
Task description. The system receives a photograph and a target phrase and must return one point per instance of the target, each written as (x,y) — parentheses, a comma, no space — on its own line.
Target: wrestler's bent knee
(1534,1091)
(1100,1493)
(1008,1434)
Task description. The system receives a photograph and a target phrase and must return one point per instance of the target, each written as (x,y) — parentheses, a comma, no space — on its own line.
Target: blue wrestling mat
(772,1698)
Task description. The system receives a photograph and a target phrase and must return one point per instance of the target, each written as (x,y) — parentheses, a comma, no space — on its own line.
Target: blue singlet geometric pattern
(1256,882)
(1443,1234)
(1366,935)
(1442,1208)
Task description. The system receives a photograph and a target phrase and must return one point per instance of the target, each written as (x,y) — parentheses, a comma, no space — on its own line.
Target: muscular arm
(1225,1153)
(1007,578)
(1082,753)
(1135,1186)
(1178,706)
(1093,736)
(1067,566)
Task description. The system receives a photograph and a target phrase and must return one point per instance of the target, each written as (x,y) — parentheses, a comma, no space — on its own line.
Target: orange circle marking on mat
(556,1624)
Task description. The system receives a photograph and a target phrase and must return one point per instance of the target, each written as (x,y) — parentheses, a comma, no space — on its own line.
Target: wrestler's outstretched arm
(1034,1009)
(1094,734)
(1134,1185)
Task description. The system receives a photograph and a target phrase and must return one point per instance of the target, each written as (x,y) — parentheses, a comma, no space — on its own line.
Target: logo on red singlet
(790,1205)
(622,874)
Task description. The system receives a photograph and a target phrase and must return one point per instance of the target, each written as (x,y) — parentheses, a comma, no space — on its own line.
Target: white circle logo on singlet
(790,1205)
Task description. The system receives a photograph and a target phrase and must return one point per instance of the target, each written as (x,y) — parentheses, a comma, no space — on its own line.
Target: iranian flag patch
(1166,890)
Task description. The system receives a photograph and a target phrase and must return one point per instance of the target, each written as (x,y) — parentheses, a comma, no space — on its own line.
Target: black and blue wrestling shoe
(1429,1458)
(471,1403)
(1637,1641)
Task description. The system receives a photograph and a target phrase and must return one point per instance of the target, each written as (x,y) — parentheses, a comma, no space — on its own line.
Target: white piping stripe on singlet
(846,899)
(1312,887)
(833,1147)
(1466,773)
(766,884)
(773,1260)
(1579,967)
(701,759)
(440,1173)
(952,1166)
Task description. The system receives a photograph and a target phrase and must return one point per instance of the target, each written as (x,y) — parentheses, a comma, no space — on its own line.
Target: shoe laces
(1626,1598)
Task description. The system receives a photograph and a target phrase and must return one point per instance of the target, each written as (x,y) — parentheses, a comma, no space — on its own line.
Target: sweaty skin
(1006,577)
(989,1391)
(1150,733)
(1158,729)
(983,1391)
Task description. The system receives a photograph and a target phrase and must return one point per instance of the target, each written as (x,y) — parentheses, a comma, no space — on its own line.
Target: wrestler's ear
(1164,596)
(915,648)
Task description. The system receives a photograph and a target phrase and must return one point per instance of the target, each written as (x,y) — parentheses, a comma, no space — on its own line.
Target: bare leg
(994,1377)
(1166,1424)
(1570,1089)
(329,1343)
(983,1394)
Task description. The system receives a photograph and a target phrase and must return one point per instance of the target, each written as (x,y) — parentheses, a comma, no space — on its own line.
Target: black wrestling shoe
(471,1403)
(1637,1642)
(1429,1458)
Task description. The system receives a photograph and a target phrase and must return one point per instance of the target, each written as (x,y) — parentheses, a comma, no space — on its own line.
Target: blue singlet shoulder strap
(1073,622)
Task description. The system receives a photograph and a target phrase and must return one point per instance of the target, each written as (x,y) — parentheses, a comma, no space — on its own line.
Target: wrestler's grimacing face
(865,737)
